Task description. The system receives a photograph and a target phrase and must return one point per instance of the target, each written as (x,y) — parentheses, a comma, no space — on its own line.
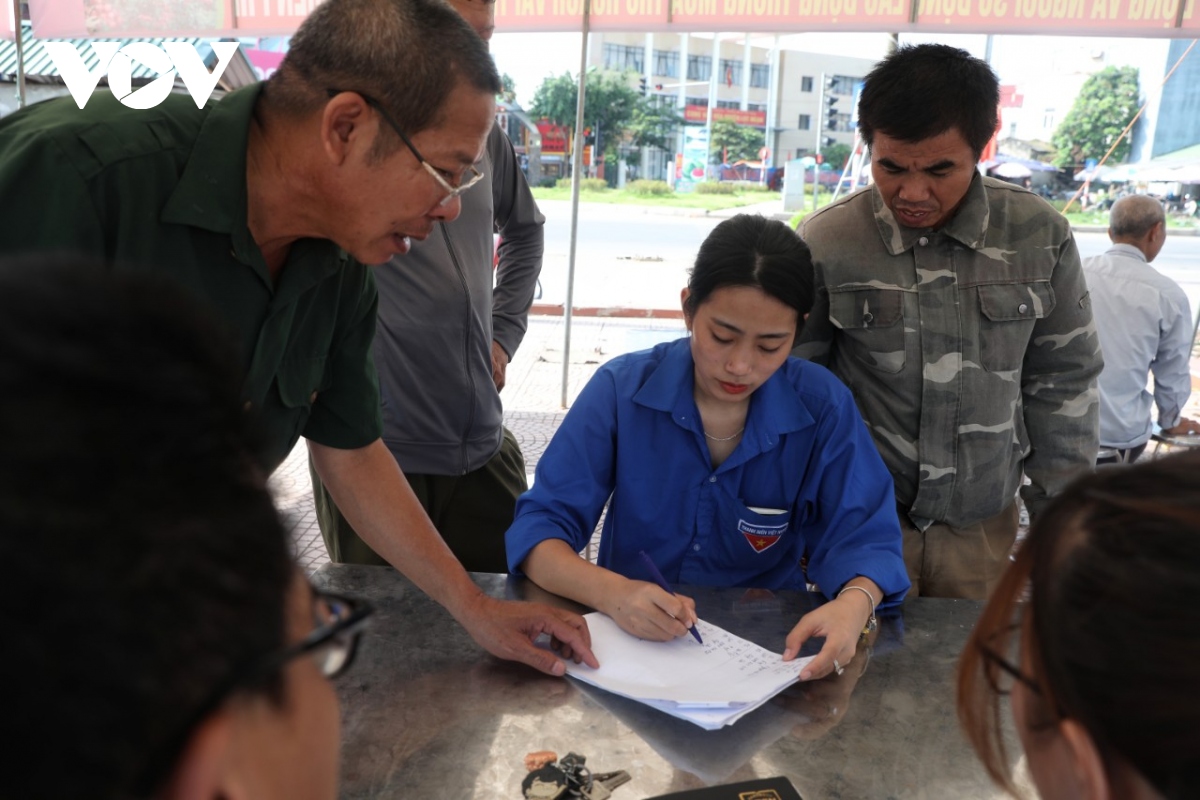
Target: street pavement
(630,261)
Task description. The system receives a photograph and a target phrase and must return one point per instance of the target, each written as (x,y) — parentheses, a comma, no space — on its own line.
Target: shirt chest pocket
(1008,313)
(300,382)
(872,326)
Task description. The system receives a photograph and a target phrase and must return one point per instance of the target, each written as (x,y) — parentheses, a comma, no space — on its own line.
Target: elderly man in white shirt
(1145,324)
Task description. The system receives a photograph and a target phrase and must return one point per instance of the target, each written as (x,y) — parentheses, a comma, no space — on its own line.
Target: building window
(731,72)
(699,68)
(666,63)
(838,123)
(756,106)
(697,101)
(728,104)
(805,123)
(842,84)
(1048,119)
(760,76)
(622,57)
(806,83)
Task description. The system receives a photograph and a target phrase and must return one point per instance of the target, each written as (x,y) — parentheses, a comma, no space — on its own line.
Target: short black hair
(751,250)
(145,560)
(407,54)
(924,90)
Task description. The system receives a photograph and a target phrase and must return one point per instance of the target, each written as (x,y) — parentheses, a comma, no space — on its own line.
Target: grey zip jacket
(438,315)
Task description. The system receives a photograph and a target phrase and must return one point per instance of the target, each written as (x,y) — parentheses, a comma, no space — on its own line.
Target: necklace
(708,435)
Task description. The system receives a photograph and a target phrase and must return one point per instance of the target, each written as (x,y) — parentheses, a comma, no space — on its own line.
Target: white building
(742,80)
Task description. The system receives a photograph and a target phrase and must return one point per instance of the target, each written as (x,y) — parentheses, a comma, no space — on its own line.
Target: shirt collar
(968,225)
(775,408)
(211,194)
(1127,250)
(202,197)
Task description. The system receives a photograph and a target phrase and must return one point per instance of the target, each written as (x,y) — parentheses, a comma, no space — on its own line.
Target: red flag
(729,77)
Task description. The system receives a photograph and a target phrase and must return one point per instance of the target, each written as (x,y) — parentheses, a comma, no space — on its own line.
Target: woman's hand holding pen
(648,612)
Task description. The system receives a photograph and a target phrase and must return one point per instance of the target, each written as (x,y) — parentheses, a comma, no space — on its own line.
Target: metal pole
(19,30)
(712,98)
(576,168)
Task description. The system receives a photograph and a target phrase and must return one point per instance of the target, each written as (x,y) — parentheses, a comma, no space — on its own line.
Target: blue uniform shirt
(805,479)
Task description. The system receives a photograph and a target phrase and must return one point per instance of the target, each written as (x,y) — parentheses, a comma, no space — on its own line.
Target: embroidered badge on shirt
(761,537)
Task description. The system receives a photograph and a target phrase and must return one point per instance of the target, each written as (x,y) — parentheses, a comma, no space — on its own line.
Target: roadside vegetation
(707,196)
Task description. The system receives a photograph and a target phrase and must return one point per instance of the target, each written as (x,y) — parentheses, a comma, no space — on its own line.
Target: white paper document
(711,684)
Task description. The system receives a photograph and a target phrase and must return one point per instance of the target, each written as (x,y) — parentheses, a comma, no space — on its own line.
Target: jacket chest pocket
(1008,313)
(872,325)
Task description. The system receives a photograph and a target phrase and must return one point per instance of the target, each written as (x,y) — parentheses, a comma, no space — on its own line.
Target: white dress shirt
(1145,325)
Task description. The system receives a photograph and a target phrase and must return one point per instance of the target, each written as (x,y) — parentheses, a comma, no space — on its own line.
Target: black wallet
(765,789)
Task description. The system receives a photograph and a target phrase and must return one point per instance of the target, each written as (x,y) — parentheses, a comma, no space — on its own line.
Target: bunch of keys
(568,778)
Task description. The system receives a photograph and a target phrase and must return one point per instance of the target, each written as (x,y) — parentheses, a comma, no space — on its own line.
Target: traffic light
(642,86)
(828,141)
(829,101)
(658,87)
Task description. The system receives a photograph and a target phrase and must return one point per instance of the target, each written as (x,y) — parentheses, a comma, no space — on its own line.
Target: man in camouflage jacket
(954,307)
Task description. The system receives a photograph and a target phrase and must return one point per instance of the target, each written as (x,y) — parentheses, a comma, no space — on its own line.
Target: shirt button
(712,479)
(1021,309)
(924,240)
(868,318)
(247,406)
(696,548)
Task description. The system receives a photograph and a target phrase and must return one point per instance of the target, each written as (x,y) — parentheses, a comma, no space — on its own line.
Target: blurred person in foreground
(269,205)
(1091,633)
(161,641)
(1144,322)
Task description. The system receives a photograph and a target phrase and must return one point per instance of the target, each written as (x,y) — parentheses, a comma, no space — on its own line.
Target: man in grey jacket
(443,341)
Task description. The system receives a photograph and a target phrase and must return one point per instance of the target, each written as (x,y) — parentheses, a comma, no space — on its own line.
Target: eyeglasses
(332,645)
(451,190)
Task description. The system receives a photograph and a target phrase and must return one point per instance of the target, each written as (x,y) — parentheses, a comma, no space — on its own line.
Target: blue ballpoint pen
(662,583)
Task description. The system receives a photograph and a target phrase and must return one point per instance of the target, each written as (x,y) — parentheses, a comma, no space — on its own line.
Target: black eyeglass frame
(451,191)
(255,671)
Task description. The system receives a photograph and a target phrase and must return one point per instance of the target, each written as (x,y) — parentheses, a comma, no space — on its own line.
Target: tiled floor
(532,398)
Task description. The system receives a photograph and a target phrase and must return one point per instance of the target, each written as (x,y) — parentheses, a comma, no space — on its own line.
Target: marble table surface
(426,713)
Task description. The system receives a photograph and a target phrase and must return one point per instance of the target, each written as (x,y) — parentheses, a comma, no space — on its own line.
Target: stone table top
(426,713)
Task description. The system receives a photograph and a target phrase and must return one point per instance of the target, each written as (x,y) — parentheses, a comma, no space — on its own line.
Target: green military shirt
(163,191)
(970,350)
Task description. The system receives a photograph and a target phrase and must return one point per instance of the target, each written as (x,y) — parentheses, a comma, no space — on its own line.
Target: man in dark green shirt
(269,204)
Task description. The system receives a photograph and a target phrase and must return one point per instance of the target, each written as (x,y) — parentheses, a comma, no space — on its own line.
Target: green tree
(508,90)
(836,155)
(609,106)
(738,142)
(655,124)
(1107,103)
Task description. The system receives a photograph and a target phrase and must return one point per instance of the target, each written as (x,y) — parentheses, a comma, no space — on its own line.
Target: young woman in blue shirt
(727,461)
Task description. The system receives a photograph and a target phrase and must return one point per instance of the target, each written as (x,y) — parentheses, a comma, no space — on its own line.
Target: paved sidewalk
(532,398)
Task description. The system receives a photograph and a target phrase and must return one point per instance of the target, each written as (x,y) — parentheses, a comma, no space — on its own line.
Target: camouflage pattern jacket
(970,350)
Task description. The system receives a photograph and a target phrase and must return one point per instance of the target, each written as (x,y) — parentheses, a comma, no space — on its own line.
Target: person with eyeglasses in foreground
(1091,634)
(728,463)
(161,641)
(268,205)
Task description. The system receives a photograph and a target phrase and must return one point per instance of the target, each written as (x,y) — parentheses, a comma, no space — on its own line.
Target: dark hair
(1109,576)
(924,90)
(750,250)
(407,54)
(144,559)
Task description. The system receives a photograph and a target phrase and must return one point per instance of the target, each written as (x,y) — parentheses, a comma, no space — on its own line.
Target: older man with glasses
(268,205)
(449,322)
